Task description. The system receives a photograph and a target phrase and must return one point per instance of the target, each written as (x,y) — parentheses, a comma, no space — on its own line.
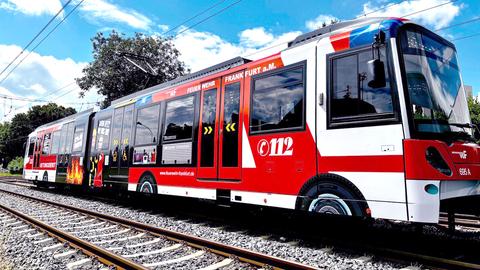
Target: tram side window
(63,138)
(55,142)
(179,119)
(147,125)
(350,95)
(78,139)
(47,141)
(69,140)
(278,101)
(103,134)
(178,131)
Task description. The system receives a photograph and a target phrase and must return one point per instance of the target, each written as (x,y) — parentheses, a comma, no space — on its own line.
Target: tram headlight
(436,161)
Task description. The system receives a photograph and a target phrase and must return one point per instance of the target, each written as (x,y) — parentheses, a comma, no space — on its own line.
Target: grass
(3,174)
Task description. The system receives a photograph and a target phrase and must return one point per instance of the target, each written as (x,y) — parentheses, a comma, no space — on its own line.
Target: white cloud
(103,10)
(255,37)
(203,49)
(38,77)
(163,27)
(436,17)
(32,7)
(319,20)
(94,10)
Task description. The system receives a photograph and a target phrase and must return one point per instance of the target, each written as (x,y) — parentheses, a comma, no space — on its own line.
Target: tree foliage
(474,108)
(114,76)
(14,134)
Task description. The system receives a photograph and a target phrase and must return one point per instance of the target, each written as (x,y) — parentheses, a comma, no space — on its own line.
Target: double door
(121,137)
(220,130)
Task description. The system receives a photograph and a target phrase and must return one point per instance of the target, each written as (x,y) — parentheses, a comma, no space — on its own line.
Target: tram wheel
(147,184)
(334,195)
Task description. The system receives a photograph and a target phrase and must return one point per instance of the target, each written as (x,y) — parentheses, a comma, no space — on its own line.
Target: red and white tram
(365,118)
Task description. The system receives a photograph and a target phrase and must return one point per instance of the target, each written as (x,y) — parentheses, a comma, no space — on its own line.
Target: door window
(230,125)
(209,115)
(126,133)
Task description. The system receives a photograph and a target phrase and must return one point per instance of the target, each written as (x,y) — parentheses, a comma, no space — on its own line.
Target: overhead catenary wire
(382,8)
(194,17)
(36,36)
(41,41)
(458,24)
(207,18)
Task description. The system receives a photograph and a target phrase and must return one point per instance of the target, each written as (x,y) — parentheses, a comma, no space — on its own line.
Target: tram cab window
(278,100)
(350,95)
(147,125)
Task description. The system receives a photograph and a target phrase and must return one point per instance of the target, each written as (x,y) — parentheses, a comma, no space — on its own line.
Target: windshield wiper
(462,125)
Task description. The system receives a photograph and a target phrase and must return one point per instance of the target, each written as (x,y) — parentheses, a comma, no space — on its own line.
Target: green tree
(13,135)
(474,108)
(114,76)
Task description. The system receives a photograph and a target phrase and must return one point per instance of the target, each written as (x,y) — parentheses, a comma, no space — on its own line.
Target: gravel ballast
(23,247)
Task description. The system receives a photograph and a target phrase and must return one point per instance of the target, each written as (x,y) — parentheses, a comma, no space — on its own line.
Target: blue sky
(242,29)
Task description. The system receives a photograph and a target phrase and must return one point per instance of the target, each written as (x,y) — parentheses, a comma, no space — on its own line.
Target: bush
(16,165)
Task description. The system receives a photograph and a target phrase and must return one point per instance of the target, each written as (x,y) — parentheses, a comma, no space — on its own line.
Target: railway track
(140,245)
(470,222)
(67,251)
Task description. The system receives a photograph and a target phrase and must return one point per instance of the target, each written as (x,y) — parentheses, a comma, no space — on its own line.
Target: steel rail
(89,249)
(244,255)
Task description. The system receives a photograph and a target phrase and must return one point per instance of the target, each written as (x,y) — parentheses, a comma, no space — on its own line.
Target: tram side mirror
(376,68)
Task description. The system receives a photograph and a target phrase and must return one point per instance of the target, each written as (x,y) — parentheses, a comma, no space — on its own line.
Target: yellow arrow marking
(206,130)
(228,127)
(232,127)
(210,129)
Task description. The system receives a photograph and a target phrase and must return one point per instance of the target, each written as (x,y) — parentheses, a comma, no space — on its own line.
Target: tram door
(37,151)
(219,156)
(122,130)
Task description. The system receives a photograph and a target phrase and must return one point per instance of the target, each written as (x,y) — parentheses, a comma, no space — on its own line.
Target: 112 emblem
(275,147)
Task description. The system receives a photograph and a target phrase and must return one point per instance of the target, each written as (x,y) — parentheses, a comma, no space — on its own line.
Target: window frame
(362,120)
(302,64)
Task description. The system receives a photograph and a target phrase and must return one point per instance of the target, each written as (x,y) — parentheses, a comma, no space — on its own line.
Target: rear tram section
(362,118)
